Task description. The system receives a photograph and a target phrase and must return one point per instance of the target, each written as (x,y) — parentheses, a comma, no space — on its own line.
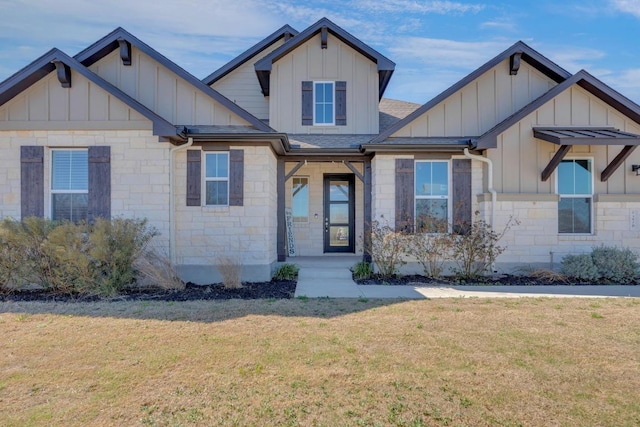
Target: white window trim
(447,197)
(579,196)
(51,190)
(333,104)
(206,179)
(308,201)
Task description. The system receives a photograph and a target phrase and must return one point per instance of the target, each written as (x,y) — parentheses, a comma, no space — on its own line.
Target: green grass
(320,362)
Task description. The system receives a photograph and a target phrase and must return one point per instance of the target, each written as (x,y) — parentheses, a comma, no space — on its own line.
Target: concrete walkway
(330,276)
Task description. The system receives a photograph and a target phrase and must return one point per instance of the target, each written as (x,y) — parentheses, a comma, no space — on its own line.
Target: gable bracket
(355,171)
(514,63)
(323,37)
(615,163)
(555,161)
(64,73)
(125,51)
(287,36)
(295,169)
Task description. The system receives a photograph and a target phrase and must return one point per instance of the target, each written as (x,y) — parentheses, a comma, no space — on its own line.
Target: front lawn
(463,362)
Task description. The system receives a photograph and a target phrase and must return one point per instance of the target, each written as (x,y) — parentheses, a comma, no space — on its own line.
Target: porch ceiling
(569,136)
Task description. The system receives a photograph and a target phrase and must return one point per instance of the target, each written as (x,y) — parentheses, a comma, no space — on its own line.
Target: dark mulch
(501,280)
(278,289)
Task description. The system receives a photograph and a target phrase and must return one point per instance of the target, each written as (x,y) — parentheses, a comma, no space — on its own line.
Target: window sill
(577,237)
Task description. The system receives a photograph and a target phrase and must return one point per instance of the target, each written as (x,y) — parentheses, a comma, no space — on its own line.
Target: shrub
(113,247)
(387,248)
(286,272)
(154,269)
(615,265)
(580,267)
(230,269)
(72,258)
(604,263)
(476,250)
(362,270)
(430,250)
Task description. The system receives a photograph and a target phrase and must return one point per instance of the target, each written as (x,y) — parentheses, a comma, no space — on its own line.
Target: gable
(242,87)
(337,62)
(520,157)
(163,91)
(481,103)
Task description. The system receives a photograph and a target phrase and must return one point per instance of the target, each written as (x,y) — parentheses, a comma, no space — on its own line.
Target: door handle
(326,224)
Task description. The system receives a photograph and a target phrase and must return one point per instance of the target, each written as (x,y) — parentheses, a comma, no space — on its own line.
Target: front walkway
(330,276)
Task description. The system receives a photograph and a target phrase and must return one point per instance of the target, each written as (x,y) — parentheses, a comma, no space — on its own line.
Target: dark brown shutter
(99,204)
(236,177)
(341,103)
(404,195)
(461,195)
(307,103)
(194,178)
(31,181)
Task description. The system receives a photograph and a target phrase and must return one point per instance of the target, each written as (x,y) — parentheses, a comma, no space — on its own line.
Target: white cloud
(415,6)
(627,6)
(441,53)
(573,58)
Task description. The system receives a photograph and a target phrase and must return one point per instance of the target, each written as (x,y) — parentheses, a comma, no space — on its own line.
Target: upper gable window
(323,103)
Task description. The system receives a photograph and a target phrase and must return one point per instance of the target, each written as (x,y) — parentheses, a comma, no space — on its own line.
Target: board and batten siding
(481,104)
(163,91)
(520,158)
(48,106)
(338,62)
(242,87)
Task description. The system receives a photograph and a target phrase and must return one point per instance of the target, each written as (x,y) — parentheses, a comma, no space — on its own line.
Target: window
(431,196)
(216,179)
(575,187)
(323,103)
(300,199)
(69,185)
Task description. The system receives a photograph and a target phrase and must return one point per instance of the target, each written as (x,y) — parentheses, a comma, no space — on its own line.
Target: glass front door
(339,213)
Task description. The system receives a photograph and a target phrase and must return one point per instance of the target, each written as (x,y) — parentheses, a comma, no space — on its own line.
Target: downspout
(494,194)
(172,202)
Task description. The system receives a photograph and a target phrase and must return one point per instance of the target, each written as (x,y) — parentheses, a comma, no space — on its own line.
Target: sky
(433,43)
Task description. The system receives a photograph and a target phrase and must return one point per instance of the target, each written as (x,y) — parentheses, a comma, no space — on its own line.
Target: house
(292,149)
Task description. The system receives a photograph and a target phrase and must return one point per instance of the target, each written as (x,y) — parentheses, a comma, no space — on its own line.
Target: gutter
(172,202)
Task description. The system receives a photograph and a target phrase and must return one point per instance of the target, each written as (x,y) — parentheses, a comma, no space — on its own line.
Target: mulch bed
(276,289)
(501,280)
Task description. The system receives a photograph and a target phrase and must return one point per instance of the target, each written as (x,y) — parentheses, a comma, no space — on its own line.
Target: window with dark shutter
(194,177)
(404,195)
(461,195)
(99,204)
(31,181)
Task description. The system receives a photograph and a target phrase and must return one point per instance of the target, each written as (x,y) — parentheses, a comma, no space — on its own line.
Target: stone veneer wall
(535,242)
(139,172)
(246,234)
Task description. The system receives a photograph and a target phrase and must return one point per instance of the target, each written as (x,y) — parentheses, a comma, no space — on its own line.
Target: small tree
(387,247)
(477,249)
(431,249)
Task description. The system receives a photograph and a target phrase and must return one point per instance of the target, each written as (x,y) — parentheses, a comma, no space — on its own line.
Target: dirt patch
(277,289)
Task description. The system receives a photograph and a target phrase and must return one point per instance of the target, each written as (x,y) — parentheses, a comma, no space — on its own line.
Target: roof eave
(402,148)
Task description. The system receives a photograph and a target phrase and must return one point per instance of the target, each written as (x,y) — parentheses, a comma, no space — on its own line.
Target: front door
(339,213)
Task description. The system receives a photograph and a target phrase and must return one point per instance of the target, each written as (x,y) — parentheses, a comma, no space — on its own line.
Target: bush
(362,270)
(580,267)
(430,250)
(475,251)
(387,248)
(603,264)
(72,258)
(286,272)
(615,265)
(230,269)
(154,269)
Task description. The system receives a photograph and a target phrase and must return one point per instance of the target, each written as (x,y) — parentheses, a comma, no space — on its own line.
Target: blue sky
(433,43)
